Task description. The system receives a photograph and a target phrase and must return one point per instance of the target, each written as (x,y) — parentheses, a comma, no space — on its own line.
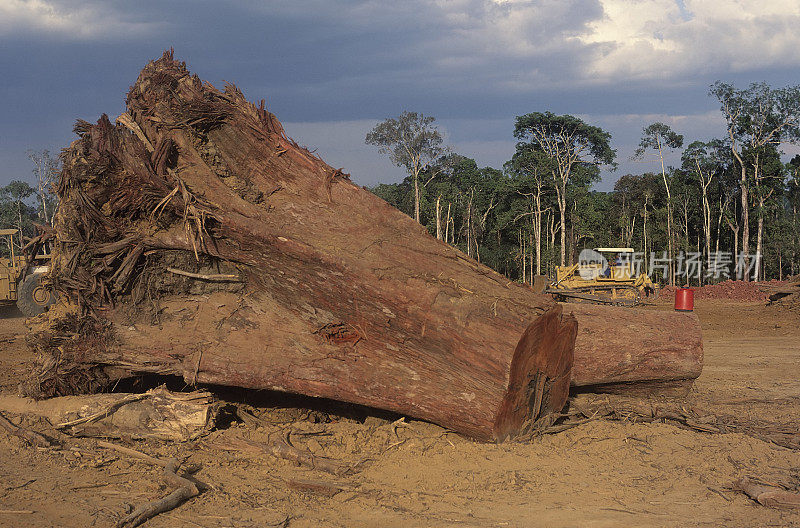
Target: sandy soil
(600,474)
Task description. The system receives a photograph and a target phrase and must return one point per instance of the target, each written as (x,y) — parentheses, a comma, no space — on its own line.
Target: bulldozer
(21,279)
(602,276)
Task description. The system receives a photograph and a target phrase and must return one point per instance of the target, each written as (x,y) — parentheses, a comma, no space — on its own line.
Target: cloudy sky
(330,70)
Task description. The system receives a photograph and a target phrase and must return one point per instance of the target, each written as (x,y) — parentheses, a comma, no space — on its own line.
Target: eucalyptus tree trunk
(706,212)
(644,236)
(719,225)
(745,220)
(759,241)
(537,233)
(762,200)
(645,348)
(438,218)
(530,243)
(416,196)
(447,225)
(735,230)
(670,221)
(745,201)
(562,209)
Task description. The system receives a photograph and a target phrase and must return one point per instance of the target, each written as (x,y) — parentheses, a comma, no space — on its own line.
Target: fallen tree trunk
(328,291)
(627,349)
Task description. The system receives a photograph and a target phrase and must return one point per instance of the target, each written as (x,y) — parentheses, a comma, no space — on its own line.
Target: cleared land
(599,474)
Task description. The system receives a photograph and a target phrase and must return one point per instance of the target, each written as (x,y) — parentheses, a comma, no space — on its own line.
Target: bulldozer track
(596,299)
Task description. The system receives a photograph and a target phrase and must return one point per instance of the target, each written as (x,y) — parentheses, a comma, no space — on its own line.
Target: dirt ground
(600,474)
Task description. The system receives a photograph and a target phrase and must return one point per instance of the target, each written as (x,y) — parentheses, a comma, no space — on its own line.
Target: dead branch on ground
(282,448)
(184,489)
(31,437)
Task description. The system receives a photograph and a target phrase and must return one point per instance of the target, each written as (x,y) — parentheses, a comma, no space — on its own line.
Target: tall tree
(413,142)
(768,182)
(45,170)
(569,143)
(14,209)
(529,169)
(793,206)
(700,159)
(756,117)
(659,138)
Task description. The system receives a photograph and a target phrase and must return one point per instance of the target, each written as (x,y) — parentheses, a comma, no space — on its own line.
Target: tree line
(23,204)
(731,202)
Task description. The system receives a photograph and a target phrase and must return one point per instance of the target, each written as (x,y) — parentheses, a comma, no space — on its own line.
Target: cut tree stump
(620,349)
(342,296)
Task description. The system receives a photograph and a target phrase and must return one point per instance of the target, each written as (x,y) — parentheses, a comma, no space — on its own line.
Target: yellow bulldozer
(21,278)
(602,276)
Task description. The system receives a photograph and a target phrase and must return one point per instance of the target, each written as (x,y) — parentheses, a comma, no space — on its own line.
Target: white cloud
(524,45)
(531,44)
(84,22)
(660,39)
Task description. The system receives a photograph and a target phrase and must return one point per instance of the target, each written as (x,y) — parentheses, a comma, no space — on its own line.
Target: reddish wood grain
(618,345)
(344,296)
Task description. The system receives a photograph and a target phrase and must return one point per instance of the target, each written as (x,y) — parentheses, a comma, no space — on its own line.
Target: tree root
(770,496)
(205,276)
(282,448)
(588,407)
(184,489)
(33,438)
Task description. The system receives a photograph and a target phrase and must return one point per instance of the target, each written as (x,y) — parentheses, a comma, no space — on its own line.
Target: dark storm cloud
(329,69)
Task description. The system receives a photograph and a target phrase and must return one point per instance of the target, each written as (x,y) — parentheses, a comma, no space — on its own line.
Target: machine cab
(616,263)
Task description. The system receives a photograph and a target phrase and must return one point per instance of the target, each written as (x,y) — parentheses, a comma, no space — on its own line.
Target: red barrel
(684,300)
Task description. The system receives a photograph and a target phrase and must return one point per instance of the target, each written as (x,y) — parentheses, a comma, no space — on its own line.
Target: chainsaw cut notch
(338,333)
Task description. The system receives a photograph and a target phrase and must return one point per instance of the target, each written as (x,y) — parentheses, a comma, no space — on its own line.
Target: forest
(729,208)
(730,203)
(22,205)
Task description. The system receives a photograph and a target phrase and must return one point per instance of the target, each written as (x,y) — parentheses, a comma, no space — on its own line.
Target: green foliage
(411,140)
(45,171)
(658,137)
(760,115)
(562,137)
(492,214)
(17,209)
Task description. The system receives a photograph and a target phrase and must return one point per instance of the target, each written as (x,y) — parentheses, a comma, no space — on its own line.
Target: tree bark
(562,206)
(416,197)
(670,219)
(757,276)
(644,236)
(745,221)
(343,296)
(438,218)
(619,346)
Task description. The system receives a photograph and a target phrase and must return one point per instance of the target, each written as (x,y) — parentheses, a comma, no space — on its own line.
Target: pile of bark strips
(194,238)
